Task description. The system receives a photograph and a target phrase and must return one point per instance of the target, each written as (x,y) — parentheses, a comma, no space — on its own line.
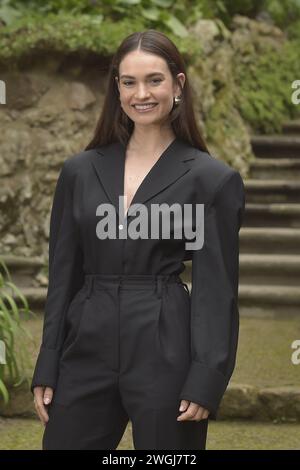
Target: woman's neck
(140,142)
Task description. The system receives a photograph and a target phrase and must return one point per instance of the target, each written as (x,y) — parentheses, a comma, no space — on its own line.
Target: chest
(135,171)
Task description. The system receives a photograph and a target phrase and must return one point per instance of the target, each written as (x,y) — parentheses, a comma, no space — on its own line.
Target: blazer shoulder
(78,161)
(212,166)
(210,172)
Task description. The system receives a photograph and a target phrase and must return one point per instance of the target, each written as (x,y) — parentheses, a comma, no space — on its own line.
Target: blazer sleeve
(65,278)
(214,297)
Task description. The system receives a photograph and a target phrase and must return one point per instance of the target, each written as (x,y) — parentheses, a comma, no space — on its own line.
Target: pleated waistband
(131,278)
(131,281)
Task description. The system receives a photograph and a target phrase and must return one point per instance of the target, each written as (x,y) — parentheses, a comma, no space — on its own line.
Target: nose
(142,92)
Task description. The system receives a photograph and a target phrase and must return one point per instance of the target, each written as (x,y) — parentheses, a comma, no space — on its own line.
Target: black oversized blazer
(183,174)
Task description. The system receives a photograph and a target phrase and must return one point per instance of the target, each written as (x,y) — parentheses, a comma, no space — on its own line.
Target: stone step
(269,301)
(279,404)
(269,240)
(266,300)
(272,215)
(276,146)
(270,269)
(272,168)
(264,269)
(291,127)
(35,297)
(262,191)
(24,270)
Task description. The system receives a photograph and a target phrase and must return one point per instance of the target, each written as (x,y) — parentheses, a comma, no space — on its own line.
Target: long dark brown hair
(114,124)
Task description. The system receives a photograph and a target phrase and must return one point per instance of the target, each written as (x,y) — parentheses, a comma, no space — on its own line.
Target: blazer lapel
(109,164)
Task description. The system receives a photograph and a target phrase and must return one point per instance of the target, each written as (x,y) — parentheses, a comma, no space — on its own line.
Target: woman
(123,338)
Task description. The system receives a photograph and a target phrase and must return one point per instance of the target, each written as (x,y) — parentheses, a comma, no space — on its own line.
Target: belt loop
(90,287)
(119,283)
(159,287)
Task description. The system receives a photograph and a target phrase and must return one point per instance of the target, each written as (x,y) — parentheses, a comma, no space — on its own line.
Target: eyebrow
(149,75)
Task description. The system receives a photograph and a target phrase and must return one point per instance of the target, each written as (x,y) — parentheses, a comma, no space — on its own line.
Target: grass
(26,434)
(264,352)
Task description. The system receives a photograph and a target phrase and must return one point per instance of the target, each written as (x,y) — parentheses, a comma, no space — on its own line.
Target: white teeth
(144,106)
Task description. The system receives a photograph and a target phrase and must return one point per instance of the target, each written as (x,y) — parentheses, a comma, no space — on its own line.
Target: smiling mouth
(144,107)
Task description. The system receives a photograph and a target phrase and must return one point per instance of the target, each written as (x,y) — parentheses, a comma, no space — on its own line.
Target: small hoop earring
(177,100)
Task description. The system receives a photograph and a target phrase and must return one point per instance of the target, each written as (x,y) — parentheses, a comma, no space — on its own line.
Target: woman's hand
(42,398)
(192,411)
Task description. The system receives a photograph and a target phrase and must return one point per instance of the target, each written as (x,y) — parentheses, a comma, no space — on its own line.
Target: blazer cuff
(204,386)
(46,368)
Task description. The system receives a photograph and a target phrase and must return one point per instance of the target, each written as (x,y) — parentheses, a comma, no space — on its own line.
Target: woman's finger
(202,413)
(39,405)
(189,413)
(48,394)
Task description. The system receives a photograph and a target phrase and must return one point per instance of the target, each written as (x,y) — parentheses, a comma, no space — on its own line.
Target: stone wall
(50,115)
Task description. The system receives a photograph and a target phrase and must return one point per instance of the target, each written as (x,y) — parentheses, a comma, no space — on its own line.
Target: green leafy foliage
(265,88)
(81,33)
(15,355)
(155,13)
(284,12)
(168,13)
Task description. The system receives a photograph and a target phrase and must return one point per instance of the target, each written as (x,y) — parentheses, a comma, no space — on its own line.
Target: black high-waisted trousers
(125,357)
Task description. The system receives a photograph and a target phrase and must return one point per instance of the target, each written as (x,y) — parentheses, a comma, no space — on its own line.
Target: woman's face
(145,78)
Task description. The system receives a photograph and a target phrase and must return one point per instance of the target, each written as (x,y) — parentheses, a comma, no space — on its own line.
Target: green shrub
(12,334)
(167,12)
(66,33)
(160,14)
(264,87)
(284,12)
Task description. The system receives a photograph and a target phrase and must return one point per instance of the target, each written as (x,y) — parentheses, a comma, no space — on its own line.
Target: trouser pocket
(73,320)
(173,326)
